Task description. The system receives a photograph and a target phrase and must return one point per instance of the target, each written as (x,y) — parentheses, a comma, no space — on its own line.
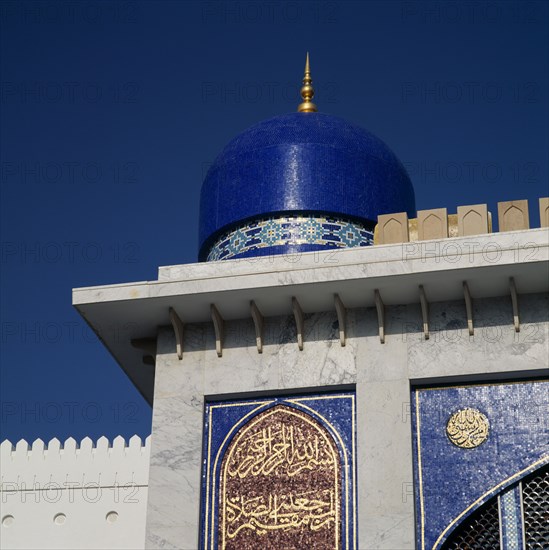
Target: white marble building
(200,354)
(404,356)
(501,347)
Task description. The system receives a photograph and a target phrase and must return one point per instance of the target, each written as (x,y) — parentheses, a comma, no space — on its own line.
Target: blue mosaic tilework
(510,510)
(451,482)
(300,163)
(334,411)
(289,234)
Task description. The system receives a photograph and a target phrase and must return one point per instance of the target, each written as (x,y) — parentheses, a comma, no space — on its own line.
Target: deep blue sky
(112,111)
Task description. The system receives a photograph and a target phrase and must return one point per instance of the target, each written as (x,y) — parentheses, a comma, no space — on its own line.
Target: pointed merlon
(86,446)
(70,445)
(307,91)
(54,446)
(22,446)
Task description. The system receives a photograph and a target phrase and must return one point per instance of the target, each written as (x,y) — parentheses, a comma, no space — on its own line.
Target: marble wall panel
(381,372)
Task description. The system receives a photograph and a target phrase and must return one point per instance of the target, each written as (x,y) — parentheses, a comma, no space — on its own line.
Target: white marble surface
(473,249)
(120,313)
(446,255)
(382,374)
(495,346)
(177,444)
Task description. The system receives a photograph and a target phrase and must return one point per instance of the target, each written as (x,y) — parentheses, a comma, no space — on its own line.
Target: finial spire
(307,91)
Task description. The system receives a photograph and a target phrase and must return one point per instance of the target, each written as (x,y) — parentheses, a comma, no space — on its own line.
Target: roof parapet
(469,220)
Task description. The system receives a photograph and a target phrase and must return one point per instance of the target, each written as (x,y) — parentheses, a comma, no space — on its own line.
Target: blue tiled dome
(300,164)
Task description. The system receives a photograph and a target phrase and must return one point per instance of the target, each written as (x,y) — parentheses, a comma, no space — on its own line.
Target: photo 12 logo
(68,92)
(69,412)
(67,12)
(69,492)
(68,252)
(466,251)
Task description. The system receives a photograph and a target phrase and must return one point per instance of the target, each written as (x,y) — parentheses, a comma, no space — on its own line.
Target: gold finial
(307,91)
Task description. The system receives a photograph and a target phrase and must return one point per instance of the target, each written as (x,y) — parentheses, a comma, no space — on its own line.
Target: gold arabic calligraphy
(467,428)
(284,450)
(263,514)
(280,484)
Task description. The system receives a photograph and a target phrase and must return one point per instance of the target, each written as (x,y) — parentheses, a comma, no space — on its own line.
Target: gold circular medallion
(467,428)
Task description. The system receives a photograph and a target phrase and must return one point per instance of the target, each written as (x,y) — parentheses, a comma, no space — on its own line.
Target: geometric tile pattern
(510,510)
(290,230)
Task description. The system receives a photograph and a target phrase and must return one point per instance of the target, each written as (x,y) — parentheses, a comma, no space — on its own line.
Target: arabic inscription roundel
(280,485)
(467,428)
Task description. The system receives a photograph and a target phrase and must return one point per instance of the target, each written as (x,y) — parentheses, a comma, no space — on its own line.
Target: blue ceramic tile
(290,233)
(301,163)
(511,434)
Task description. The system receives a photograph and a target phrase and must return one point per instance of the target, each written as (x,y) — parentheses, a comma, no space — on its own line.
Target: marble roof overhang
(122,312)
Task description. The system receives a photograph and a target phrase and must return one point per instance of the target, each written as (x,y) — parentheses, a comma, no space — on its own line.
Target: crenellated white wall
(74,496)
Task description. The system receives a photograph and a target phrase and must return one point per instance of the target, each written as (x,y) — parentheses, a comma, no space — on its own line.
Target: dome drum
(290,234)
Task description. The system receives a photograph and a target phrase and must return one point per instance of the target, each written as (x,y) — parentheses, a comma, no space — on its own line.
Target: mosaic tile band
(290,231)
(511,518)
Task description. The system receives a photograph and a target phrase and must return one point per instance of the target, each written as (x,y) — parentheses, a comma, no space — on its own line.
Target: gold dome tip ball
(307,107)
(307,91)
